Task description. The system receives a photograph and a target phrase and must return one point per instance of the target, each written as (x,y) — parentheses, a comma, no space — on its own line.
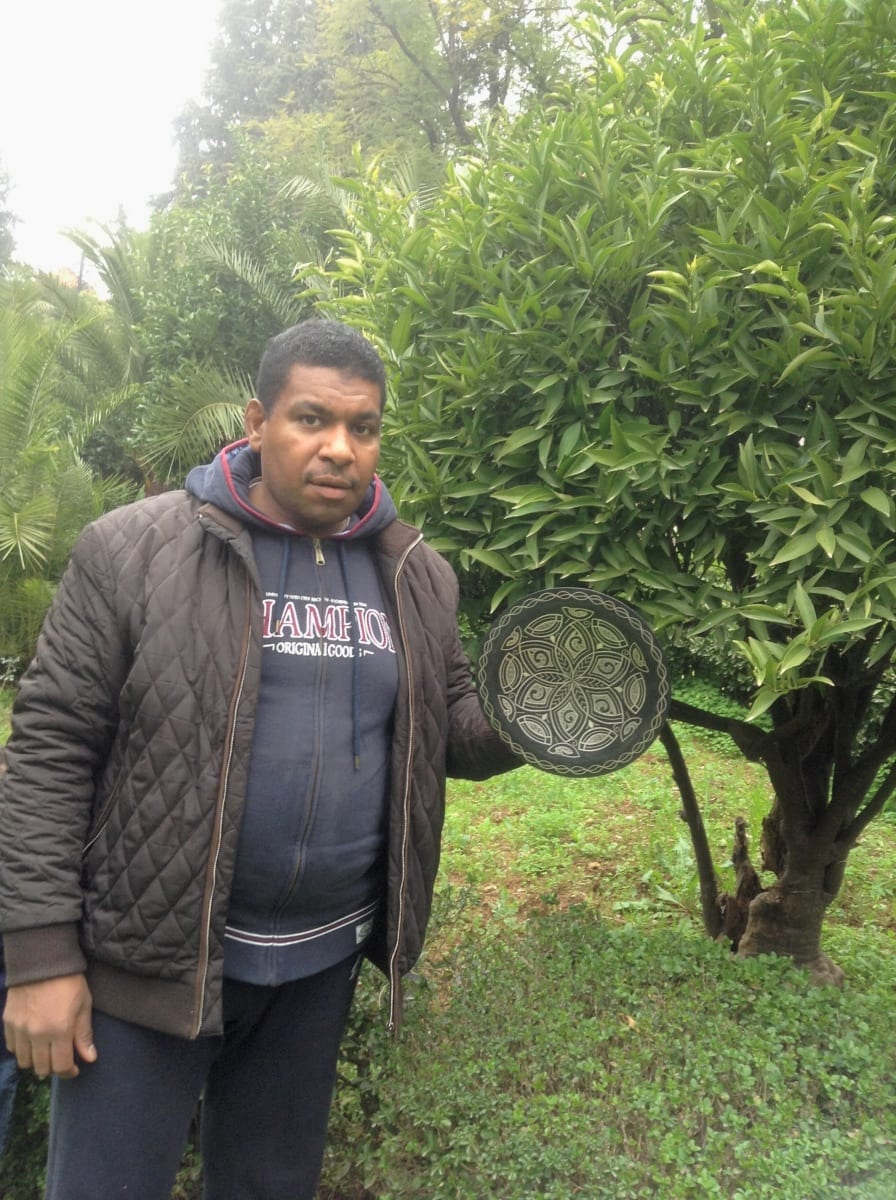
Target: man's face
(319,448)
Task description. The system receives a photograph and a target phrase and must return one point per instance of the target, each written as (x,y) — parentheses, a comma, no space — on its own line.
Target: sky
(88,93)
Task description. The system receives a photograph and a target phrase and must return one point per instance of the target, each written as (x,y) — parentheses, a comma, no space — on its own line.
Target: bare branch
(752,742)
(450,96)
(873,808)
(709,888)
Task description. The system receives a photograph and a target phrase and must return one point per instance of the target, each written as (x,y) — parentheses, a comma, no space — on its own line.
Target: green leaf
(854,547)
(805,494)
(400,333)
(804,543)
(517,440)
(877,499)
(526,495)
(826,539)
(767,267)
(545,383)
(765,698)
(794,656)
(570,439)
(850,626)
(814,354)
(804,606)
(497,562)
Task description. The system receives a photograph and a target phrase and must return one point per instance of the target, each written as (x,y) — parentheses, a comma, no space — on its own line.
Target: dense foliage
(645,340)
(54,387)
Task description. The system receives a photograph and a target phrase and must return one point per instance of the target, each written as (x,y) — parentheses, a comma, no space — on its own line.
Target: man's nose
(337,445)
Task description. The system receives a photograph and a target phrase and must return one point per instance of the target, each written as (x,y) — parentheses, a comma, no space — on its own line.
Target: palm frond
(120,260)
(38,376)
(201,411)
(23,606)
(111,491)
(26,531)
(266,285)
(78,497)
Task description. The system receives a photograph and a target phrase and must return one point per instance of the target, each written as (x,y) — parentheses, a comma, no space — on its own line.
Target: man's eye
(309,419)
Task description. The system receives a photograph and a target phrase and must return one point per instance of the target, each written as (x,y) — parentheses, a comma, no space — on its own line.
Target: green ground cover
(570,1032)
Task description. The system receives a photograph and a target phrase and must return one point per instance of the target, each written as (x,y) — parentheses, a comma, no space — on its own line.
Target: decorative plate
(574,681)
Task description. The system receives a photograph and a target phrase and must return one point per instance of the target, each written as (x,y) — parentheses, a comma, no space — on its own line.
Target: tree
(264,62)
(7,221)
(169,362)
(266,58)
(47,493)
(442,66)
(645,341)
(411,78)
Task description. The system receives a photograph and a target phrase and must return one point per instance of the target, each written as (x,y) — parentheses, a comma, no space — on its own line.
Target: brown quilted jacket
(122,804)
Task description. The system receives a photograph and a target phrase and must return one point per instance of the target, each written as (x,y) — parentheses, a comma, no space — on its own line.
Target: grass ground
(572,1034)
(528,841)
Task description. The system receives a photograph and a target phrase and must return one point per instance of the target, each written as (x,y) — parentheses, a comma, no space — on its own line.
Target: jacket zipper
(215,849)
(394,979)
(319,561)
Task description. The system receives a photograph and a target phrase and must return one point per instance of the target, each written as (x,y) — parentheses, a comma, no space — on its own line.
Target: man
(226,784)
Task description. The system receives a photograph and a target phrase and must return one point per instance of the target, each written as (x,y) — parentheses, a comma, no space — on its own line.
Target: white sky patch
(88,93)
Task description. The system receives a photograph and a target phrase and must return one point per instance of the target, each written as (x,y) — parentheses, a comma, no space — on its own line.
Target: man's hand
(48,1023)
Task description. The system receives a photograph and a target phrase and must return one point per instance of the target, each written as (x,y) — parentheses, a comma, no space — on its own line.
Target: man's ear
(253,422)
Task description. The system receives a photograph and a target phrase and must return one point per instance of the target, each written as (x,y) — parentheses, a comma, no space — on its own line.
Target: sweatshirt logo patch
(319,628)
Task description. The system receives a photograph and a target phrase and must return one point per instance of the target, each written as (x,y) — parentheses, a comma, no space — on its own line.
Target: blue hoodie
(310,866)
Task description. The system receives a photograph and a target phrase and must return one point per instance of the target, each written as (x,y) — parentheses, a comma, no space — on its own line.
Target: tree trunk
(787,920)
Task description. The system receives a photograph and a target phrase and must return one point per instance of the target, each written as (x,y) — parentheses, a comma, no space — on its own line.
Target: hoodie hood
(225,482)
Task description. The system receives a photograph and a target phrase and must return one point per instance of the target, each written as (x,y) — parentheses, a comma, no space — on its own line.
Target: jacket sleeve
(64,719)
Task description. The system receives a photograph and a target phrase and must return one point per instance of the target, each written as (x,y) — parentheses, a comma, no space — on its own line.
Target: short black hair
(317,343)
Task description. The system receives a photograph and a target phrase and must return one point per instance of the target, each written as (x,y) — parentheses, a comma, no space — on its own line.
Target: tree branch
(752,742)
(884,745)
(406,50)
(873,808)
(449,95)
(709,888)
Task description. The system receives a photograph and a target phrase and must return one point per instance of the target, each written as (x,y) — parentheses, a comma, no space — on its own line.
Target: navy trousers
(120,1127)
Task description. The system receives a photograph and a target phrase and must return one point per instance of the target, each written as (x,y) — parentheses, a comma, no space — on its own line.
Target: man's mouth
(331,483)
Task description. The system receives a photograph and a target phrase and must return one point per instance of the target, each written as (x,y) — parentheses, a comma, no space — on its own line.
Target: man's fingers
(84,1046)
(46,1057)
(40,1059)
(20,1048)
(62,1060)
